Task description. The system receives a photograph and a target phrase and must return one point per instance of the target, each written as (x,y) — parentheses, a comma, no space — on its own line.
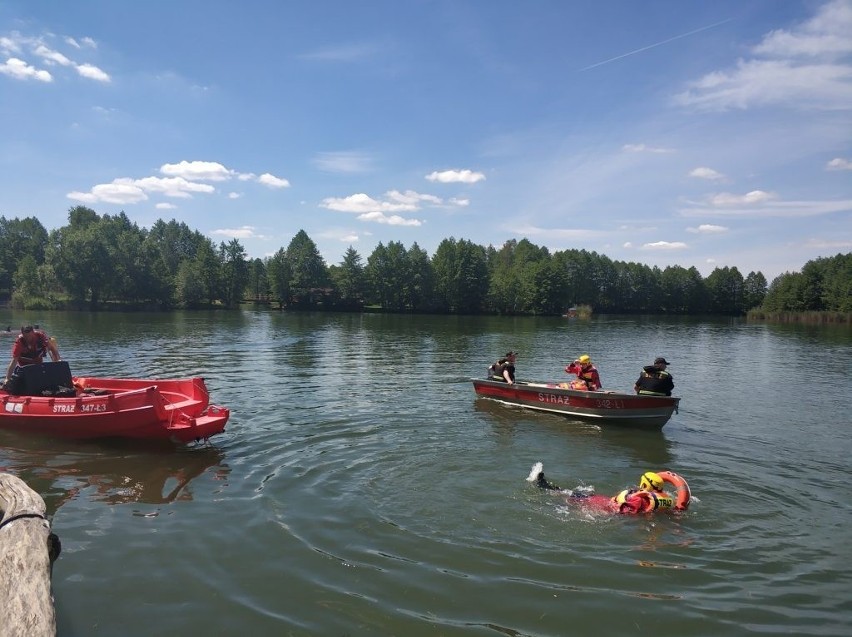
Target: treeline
(821,292)
(95,260)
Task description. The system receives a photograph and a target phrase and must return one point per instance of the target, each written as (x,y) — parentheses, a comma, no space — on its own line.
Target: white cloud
(665,245)
(456,176)
(130,191)
(803,68)
(10,45)
(243,232)
(391,220)
(702,172)
(825,244)
(172,186)
(343,162)
(839,163)
(197,171)
(461,203)
(643,148)
(362,203)
(411,197)
(272,181)
(120,191)
(51,56)
(707,228)
(165,206)
(92,72)
(826,34)
(20,70)
(383,211)
(766,209)
(89,42)
(344,53)
(182,181)
(753,197)
(627,244)
(772,82)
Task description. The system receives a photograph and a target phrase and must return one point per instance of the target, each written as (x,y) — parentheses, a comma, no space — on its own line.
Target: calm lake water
(361,488)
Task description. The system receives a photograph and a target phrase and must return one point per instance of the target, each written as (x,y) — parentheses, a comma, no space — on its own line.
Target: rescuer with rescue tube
(650,496)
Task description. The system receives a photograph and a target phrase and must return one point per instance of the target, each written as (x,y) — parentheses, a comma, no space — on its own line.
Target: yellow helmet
(585,358)
(651,481)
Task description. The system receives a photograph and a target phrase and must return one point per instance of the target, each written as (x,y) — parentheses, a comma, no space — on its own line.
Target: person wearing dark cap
(30,347)
(655,380)
(504,368)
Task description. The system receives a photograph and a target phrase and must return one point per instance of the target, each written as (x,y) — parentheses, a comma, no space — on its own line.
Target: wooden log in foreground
(26,602)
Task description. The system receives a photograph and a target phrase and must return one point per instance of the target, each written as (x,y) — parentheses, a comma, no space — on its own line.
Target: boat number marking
(610,403)
(95,407)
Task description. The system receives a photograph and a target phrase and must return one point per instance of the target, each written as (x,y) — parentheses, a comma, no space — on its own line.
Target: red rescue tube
(683,494)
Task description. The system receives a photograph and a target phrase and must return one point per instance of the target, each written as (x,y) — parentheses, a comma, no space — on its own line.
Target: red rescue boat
(89,407)
(600,407)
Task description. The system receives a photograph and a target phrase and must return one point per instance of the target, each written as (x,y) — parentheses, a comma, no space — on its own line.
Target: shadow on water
(109,471)
(649,448)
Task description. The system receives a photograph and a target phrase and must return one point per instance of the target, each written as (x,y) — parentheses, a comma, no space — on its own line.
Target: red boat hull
(600,407)
(177,410)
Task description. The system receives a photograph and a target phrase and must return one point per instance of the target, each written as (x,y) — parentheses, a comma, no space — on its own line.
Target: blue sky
(702,134)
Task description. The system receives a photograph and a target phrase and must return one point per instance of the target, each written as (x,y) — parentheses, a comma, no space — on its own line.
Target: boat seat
(180,404)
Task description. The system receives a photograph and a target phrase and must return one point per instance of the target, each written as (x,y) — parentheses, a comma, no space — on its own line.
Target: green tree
(280,275)
(725,288)
(754,290)
(307,268)
(190,289)
(19,238)
(175,243)
(235,275)
(461,276)
(421,279)
(388,272)
(80,257)
(786,293)
(208,264)
(349,279)
(837,283)
(258,279)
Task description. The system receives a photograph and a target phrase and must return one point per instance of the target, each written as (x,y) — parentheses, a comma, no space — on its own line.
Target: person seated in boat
(655,380)
(588,378)
(649,496)
(504,368)
(29,348)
